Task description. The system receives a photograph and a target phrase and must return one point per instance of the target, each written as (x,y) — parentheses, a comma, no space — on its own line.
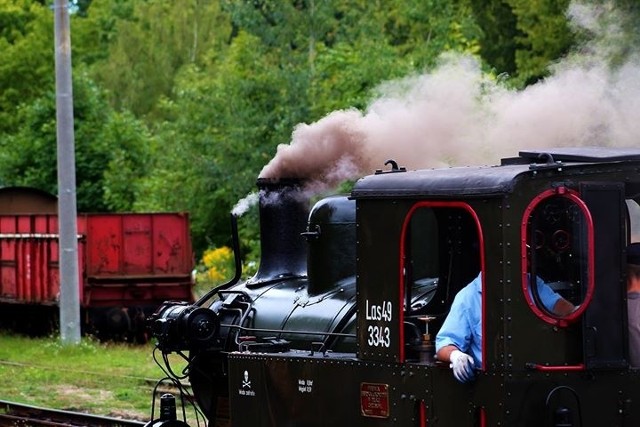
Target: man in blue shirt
(459,340)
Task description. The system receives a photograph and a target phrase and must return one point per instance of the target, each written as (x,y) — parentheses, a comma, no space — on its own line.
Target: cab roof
(486,180)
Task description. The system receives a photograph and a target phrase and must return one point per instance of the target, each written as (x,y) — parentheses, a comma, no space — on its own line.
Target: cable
(175,379)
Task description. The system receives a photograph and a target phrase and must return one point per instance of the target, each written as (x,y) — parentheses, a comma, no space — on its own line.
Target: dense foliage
(179,104)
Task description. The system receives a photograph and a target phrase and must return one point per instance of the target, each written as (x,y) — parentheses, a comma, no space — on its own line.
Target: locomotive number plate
(374,400)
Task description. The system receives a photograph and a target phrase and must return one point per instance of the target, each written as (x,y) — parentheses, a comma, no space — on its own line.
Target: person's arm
(552,300)
(444,353)
(452,337)
(562,307)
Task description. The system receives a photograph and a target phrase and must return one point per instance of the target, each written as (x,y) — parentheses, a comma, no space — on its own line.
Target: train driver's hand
(463,366)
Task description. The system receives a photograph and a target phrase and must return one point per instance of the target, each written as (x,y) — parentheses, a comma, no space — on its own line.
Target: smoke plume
(457,115)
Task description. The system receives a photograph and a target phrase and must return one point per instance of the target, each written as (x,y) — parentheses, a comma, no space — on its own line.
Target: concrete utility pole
(67,215)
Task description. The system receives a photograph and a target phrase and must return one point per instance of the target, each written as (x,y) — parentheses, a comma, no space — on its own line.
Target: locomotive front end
(179,326)
(280,307)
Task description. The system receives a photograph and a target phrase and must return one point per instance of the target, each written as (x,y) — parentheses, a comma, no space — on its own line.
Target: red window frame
(574,196)
(405,225)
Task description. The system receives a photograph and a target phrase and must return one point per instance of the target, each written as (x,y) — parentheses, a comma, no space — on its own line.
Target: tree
(340,50)
(606,31)
(26,43)
(106,145)
(544,37)
(148,48)
(215,138)
(498,43)
(129,144)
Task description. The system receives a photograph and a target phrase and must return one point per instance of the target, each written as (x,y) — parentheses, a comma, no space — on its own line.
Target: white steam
(244,204)
(457,115)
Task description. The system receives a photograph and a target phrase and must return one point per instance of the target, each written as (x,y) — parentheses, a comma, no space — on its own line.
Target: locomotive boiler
(337,326)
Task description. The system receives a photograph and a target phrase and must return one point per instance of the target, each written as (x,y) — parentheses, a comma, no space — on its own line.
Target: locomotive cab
(565,222)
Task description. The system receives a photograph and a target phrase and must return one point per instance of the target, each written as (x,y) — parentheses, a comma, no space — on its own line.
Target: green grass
(99,378)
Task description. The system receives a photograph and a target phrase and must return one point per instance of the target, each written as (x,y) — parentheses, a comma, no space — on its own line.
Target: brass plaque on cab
(374,400)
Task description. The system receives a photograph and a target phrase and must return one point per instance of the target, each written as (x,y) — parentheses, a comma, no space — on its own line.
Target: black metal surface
(605,343)
(583,154)
(332,246)
(485,180)
(283,217)
(450,182)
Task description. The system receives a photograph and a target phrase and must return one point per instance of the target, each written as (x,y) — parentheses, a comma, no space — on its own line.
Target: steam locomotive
(337,326)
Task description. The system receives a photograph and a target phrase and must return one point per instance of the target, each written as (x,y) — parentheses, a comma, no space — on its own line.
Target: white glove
(462,365)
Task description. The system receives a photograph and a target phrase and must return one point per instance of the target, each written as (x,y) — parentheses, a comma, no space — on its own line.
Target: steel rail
(19,414)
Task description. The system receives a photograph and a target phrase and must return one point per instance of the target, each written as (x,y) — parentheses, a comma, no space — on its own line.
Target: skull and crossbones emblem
(246,383)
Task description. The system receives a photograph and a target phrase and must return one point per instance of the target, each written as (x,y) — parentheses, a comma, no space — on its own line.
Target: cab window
(556,256)
(441,254)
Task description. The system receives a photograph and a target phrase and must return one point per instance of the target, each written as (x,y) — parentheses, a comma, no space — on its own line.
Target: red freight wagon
(128,264)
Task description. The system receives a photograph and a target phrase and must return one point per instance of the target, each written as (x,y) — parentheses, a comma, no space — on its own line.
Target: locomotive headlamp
(180,326)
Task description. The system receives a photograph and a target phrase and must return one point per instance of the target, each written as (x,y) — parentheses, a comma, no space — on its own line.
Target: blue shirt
(463,325)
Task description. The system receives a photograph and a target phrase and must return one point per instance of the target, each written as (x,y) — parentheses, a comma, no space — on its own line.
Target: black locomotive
(337,326)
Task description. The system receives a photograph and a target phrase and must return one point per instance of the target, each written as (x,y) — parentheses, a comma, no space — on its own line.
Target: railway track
(17,414)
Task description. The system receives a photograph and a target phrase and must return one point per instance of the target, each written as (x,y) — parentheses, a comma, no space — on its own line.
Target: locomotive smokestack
(284,209)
